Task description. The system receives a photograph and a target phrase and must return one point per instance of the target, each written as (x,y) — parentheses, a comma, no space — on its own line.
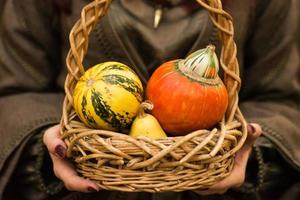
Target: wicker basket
(116,161)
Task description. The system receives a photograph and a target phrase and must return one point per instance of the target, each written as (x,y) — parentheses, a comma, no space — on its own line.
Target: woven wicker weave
(116,161)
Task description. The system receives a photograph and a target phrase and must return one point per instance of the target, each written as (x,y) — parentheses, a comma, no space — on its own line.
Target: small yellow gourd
(146,124)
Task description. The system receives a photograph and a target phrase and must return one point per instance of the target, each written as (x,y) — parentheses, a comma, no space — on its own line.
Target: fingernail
(251,128)
(91,189)
(60,151)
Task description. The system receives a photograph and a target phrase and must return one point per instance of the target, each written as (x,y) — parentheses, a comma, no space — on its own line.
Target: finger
(242,156)
(254,131)
(53,142)
(66,172)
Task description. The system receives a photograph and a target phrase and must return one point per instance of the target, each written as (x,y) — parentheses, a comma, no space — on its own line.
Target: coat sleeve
(29,63)
(271,81)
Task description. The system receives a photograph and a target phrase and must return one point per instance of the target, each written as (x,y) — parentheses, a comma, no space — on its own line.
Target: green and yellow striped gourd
(108,96)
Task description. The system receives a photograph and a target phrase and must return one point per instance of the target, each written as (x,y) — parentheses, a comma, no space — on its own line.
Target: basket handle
(91,13)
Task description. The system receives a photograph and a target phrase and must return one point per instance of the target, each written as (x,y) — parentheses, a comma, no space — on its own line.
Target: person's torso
(126,33)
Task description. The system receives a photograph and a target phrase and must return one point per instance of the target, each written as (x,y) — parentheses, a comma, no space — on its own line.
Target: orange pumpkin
(188,94)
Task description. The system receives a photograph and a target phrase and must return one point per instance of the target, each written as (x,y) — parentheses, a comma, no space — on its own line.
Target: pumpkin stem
(201,64)
(146,105)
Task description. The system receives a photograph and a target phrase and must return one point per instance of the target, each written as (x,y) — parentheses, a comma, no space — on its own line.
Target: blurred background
(298,6)
(298,35)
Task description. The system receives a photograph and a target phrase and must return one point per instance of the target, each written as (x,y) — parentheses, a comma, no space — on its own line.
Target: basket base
(176,180)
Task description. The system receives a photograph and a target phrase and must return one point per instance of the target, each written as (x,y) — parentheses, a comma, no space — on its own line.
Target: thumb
(53,142)
(254,131)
